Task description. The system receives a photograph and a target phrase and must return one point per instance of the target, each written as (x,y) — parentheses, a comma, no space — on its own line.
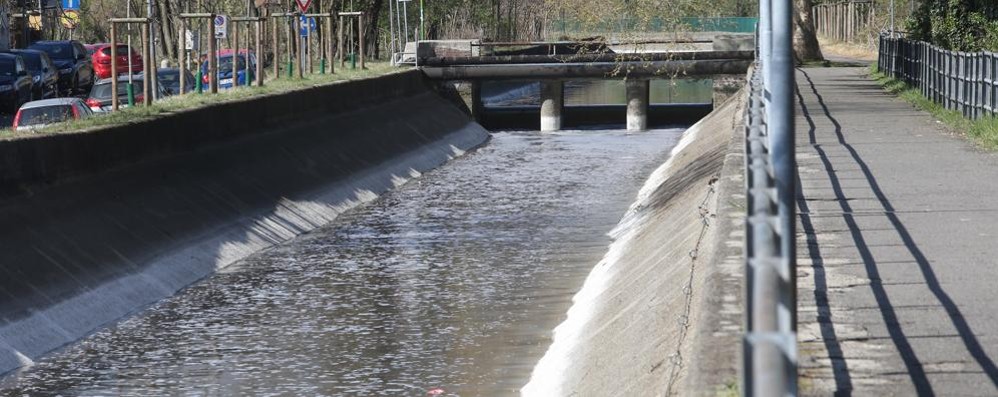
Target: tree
(806,46)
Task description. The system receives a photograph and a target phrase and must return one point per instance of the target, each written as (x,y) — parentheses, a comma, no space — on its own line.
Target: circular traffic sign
(70,19)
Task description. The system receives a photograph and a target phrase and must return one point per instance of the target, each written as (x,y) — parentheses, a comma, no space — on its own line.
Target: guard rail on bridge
(770,341)
(963,81)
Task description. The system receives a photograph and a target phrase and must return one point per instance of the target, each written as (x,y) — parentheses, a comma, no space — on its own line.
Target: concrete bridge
(553,70)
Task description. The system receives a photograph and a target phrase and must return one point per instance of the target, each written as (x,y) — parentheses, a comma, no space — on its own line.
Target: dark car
(45,77)
(76,73)
(170,79)
(15,82)
(99,100)
(225,58)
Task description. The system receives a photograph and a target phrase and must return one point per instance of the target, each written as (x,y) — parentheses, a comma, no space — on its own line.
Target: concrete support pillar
(552,104)
(637,105)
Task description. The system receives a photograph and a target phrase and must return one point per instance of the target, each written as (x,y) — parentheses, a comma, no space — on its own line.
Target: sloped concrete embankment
(97,225)
(664,300)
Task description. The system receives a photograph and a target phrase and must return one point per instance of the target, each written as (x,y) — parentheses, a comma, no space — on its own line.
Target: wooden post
(212,57)
(259,52)
(235,52)
(301,50)
(277,52)
(246,65)
(339,43)
(114,67)
(330,51)
(146,81)
(360,39)
(181,55)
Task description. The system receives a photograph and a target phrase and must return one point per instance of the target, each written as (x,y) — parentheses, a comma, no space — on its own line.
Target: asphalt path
(897,255)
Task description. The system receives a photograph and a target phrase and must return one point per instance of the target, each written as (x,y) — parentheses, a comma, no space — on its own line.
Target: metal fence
(769,365)
(961,81)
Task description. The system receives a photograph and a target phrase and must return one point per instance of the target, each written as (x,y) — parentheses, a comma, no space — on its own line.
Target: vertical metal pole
(212,57)
(391,28)
(765,40)
(181,56)
(114,66)
(151,74)
(892,19)
(147,81)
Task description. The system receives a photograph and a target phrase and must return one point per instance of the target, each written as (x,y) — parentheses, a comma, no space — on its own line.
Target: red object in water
(435,392)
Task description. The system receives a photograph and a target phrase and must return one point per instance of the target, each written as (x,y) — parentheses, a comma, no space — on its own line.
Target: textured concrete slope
(88,251)
(897,266)
(623,332)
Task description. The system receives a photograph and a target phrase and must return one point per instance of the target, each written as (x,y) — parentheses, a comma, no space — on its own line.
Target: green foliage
(962,25)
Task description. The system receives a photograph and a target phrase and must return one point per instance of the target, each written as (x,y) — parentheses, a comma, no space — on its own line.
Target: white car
(38,114)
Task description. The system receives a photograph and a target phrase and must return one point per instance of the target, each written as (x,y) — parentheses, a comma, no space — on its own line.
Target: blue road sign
(71,4)
(307,25)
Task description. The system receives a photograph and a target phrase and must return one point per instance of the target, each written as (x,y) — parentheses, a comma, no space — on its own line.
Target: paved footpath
(898,246)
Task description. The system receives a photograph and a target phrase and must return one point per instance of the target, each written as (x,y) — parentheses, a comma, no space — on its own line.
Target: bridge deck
(897,246)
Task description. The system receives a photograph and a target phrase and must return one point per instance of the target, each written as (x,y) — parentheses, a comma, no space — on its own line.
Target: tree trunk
(806,46)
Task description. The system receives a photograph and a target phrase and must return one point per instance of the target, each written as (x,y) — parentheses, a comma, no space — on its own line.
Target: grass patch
(191,101)
(983,131)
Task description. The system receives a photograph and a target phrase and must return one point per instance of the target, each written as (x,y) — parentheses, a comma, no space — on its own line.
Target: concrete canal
(455,281)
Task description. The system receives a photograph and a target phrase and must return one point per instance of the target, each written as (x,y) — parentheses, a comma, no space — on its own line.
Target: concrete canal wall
(659,314)
(97,225)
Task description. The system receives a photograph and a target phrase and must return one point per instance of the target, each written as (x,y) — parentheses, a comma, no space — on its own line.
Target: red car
(102,60)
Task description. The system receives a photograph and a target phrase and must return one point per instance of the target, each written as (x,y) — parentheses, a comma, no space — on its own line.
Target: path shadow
(888,314)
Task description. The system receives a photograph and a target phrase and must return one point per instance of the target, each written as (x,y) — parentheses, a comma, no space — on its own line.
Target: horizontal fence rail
(966,82)
(769,366)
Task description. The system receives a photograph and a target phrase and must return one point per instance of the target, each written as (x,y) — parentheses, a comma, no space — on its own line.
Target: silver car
(38,114)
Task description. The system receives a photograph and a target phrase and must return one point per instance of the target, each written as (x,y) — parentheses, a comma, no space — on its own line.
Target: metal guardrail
(966,82)
(769,365)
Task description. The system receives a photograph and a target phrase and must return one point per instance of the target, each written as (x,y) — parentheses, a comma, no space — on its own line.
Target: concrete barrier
(102,223)
(644,310)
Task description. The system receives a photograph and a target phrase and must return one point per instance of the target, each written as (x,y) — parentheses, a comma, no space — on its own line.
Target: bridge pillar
(637,104)
(552,104)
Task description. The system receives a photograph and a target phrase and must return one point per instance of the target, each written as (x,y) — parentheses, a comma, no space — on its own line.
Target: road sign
(303,5)
(221,26)
(71,4)
(192,40)
(307,25)
(70,19)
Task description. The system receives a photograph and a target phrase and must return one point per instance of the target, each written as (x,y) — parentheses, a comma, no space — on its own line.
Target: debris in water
(435,391)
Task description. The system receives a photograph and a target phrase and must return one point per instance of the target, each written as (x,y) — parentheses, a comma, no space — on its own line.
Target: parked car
(37,114)
(90,48)
(76,73)
(170,79)
(15,82)
(225,59)
(102,60)
(44,76)
(99,100)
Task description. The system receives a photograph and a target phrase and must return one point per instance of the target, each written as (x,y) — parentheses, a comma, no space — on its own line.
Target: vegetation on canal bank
(190,101)
(983,131)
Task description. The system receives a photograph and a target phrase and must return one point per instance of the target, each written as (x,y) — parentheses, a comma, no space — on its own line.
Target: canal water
(453,281)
